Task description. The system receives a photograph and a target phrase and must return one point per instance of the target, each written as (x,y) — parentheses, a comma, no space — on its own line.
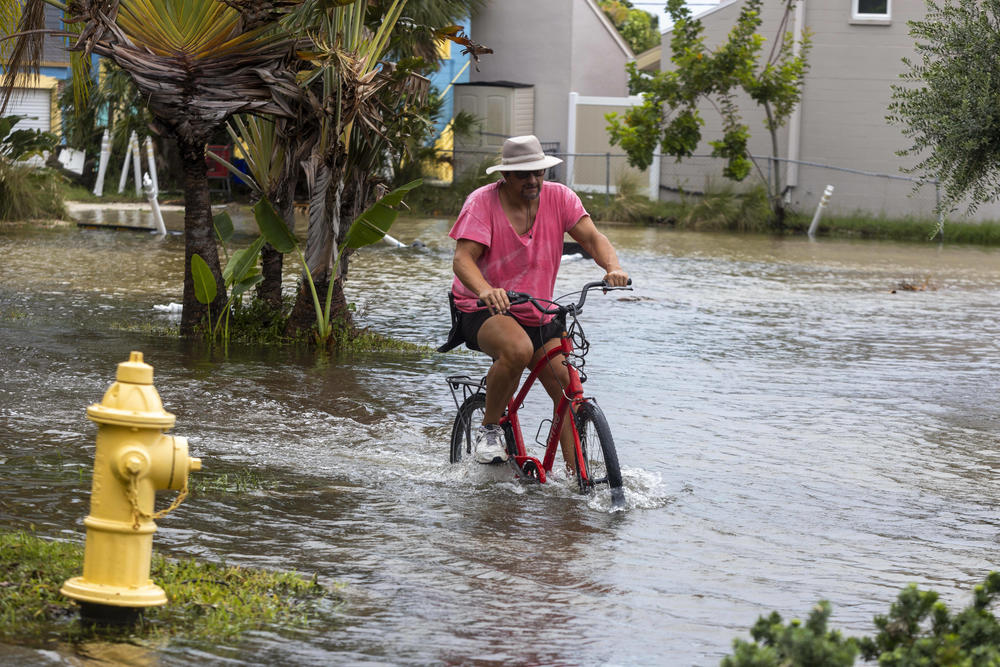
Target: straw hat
(523,154)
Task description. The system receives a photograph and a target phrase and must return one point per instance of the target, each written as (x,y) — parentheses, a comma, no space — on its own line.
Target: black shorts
(465,329)
(470,324)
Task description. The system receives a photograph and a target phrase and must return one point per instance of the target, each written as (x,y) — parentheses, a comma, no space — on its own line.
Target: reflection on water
(791,428)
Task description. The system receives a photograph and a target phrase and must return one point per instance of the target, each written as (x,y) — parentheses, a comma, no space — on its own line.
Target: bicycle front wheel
(468,419)
(600,459)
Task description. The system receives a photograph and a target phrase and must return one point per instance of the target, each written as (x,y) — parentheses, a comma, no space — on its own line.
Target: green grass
(256,324)
(206,601)
(73,192)
(902,229)
(722,208)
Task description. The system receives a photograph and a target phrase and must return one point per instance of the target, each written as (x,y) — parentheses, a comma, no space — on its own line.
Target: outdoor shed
(506,108)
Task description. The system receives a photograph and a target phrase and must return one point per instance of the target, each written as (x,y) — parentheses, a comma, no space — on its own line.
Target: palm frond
(28,42)
(258,140)
(194,64)
(10,14)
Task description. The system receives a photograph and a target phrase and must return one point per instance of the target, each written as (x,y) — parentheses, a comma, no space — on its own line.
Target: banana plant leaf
(223,226)
(204,282)
(375,221)
(243,264)
(246,284)
(273,227)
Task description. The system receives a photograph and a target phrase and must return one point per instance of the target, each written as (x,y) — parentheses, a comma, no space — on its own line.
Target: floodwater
(793,423)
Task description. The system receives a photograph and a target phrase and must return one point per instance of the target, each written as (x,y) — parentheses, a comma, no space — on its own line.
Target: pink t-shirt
(520,263)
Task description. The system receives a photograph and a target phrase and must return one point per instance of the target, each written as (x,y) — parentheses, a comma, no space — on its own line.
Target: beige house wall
(596,165)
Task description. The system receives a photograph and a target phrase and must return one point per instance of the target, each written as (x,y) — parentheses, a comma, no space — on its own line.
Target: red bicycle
(596,457)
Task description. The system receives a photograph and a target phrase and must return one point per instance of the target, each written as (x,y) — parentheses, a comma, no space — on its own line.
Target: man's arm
(464,264)
(599,247)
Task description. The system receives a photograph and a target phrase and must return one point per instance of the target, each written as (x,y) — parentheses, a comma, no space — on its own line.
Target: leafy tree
(669,116)
(113,103)
(641,30)
(354,149)
(947,107)
(23,144)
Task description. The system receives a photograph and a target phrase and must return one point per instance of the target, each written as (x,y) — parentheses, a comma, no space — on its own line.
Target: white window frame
(866,17)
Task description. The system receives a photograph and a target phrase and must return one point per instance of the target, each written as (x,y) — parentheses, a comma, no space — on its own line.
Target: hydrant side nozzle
(194,465)
(133,463)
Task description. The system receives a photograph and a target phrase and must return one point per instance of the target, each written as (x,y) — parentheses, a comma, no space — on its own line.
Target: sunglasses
(524,175)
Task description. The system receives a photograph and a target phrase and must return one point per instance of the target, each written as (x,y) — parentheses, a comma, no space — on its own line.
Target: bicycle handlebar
(522,297)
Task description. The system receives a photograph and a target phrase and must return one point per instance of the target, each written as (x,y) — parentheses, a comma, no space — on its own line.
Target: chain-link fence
(857,190)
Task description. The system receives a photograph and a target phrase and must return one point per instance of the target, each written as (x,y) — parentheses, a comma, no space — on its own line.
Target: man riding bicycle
(509,237)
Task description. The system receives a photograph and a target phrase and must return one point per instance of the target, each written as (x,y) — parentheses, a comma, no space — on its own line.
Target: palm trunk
(272,261)
(199,236)
(269,289)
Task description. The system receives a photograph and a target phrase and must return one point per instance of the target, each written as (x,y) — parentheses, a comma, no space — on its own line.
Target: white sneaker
(491,446)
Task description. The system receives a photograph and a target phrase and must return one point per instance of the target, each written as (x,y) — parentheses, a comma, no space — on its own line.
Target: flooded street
(794,424)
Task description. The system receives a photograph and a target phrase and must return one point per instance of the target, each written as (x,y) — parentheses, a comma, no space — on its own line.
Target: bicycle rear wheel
(468,419)
(600,459)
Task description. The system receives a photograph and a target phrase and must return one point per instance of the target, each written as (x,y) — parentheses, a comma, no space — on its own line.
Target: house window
(864,10)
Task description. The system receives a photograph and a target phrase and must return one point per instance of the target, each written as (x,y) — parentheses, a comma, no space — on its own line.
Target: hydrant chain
(132,493)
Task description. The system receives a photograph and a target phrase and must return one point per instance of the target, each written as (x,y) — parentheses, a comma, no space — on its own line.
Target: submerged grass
(239,481)
(207,601)
(13,314)
(258,324)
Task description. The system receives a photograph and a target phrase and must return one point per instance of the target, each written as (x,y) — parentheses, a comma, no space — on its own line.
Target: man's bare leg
(502,338)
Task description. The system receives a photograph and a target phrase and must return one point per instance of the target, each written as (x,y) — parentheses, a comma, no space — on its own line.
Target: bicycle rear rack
(468,386)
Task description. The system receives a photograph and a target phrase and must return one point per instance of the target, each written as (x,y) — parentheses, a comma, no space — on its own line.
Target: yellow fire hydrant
(134,459)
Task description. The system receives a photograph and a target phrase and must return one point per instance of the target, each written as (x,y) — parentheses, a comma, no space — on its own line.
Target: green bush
(27,192)
(797,643)
(918,630)
(628,203)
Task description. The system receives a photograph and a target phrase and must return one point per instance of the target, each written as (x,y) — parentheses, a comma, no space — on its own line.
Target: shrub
(27,192)
(918,630)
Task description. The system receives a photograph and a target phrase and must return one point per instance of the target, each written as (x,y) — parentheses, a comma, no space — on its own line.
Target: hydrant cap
(134,371)
(132,400)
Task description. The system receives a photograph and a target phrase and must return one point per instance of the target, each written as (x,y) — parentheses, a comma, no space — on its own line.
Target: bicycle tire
(600,456)
(468,419)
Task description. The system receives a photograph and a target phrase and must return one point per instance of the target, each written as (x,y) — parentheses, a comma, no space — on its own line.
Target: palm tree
(374,101)
(342,77)
(197,62)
